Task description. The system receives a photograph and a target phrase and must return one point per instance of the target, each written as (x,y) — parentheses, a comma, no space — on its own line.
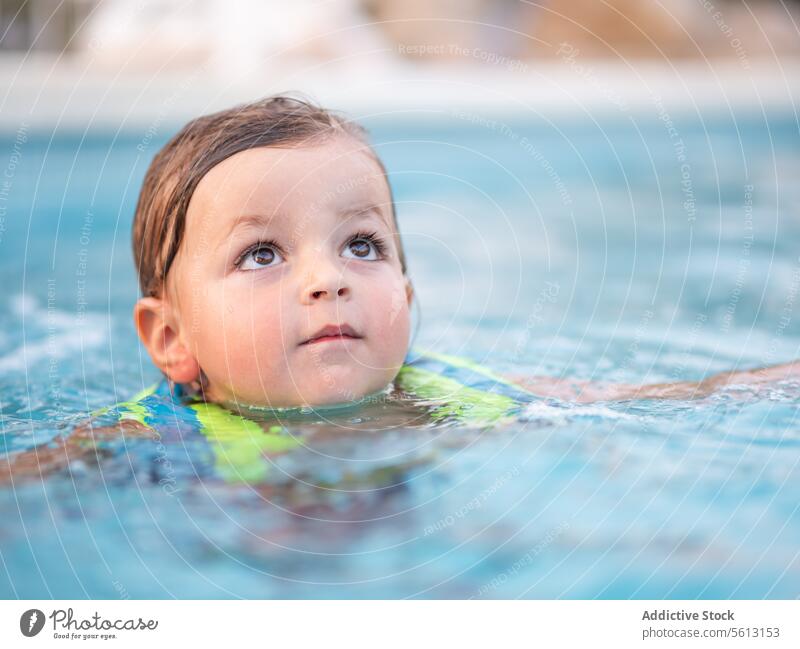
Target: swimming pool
(636,248)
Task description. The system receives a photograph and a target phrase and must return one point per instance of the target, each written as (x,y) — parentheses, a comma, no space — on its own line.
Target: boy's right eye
(261,255)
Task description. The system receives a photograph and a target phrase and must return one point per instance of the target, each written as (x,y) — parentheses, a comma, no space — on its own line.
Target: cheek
(390,315)
(239,335)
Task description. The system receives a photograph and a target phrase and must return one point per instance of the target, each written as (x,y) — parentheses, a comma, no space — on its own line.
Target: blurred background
(133,61)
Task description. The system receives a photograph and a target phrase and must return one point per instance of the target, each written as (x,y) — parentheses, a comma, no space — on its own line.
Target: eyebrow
(362,211)
(262,220)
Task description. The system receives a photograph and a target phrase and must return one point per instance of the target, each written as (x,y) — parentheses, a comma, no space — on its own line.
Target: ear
(409,291)
(156,327)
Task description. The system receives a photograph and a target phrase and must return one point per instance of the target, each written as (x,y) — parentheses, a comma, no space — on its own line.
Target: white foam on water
(62,334)
(564,411)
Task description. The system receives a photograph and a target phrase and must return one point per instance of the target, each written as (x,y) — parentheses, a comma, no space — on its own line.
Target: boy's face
(278,244)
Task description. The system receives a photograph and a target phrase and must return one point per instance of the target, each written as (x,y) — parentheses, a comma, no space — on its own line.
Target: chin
(341,385)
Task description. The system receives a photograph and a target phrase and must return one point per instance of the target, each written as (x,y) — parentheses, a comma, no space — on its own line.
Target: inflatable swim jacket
(452,388)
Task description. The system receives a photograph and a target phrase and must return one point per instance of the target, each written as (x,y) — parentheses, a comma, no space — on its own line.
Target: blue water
(612,250)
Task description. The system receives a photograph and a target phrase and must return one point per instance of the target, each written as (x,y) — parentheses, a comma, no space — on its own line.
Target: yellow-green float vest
(452,388)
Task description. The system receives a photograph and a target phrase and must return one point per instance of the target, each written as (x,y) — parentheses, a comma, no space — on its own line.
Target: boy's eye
(262,256)
(363,247)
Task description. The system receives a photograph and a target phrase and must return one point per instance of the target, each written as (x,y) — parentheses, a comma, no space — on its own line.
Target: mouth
(333,333)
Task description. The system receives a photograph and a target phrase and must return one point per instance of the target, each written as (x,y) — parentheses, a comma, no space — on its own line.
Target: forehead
(267,180)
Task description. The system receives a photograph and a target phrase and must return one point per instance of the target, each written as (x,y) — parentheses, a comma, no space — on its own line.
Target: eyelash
(372,237)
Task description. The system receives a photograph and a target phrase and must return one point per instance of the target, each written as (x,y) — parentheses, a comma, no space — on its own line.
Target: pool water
(615,250)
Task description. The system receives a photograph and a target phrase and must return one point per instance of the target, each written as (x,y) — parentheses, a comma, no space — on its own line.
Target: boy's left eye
(364,247)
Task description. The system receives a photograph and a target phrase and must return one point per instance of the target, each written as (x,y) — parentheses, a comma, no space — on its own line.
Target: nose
(342,291)
(325,281)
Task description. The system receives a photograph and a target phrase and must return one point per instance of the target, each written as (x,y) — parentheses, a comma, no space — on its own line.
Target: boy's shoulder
(169,406)
(462,388)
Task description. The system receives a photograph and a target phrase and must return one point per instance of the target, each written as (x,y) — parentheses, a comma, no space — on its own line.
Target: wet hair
(177,169)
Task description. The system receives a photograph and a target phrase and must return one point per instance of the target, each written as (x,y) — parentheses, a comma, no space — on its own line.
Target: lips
(333,332)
